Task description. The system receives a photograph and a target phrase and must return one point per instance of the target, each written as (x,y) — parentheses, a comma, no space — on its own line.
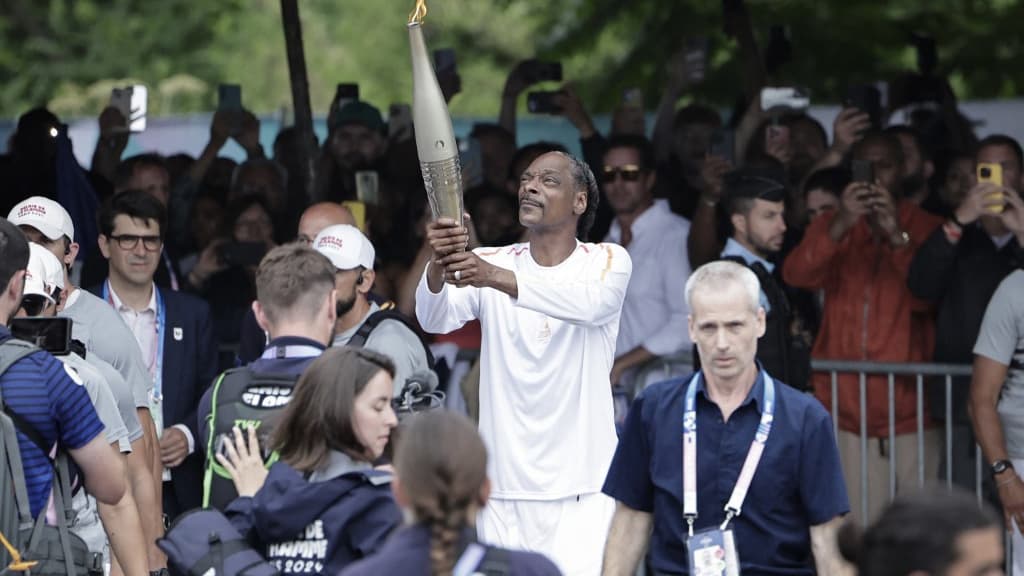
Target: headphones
(359,280)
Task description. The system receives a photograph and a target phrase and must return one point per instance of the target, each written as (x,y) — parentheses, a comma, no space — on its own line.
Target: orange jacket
(869,314)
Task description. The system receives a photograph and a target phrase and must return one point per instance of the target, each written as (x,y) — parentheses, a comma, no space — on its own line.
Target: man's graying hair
(583,179)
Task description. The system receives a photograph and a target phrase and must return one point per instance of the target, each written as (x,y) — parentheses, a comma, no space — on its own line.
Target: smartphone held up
(132,102)
(992,173)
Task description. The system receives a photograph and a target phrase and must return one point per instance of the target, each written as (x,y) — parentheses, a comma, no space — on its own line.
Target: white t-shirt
(1001,338)
(545,397)
(97,325)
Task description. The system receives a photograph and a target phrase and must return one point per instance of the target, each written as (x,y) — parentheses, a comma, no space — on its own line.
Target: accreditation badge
(156,409)
(712,552)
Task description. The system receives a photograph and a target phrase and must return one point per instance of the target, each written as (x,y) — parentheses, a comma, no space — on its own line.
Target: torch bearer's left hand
(468,269)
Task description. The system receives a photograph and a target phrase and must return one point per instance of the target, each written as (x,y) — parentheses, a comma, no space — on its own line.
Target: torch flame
(419,13)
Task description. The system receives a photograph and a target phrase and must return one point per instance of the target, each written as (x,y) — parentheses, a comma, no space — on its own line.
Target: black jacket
(960,279)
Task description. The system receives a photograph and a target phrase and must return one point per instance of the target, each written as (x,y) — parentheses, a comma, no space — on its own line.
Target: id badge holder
(156,408)
(712,552)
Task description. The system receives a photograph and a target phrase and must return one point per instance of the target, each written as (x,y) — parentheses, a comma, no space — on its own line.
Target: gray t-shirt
(102,399)
(1002,339)
(395,340)
(104,333)
(122,395)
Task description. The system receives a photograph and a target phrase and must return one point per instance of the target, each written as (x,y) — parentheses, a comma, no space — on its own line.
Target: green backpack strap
(210,433)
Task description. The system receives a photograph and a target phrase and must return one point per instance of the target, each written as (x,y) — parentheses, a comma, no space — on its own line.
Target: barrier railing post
(977,473)
(864,450)
(835,405)
(949,431)
(892,436)
(920,430)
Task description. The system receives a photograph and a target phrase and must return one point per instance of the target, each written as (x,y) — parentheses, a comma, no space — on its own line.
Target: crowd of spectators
(885,243)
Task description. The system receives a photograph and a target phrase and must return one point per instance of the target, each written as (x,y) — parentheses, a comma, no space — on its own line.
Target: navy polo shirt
(798,483)
(41,390)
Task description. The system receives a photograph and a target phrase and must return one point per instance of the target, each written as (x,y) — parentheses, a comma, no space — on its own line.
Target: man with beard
(756,205)
(352,255)
(860,255)
(549,311)
(919,169)
(356,142)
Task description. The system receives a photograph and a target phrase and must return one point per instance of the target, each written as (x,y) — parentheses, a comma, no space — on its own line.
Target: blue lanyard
(739,492)
(161,324)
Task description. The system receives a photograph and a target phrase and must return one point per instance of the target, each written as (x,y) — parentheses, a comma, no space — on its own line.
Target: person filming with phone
(860,255)
(959,268)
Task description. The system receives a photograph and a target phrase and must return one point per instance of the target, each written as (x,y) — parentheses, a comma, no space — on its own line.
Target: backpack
(32,546)
(420,390)
(203,542)
(242,398)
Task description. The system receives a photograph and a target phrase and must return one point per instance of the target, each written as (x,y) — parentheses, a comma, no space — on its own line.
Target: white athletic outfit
(545,397)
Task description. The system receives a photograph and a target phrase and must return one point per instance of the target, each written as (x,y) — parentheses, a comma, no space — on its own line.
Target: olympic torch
(435,139)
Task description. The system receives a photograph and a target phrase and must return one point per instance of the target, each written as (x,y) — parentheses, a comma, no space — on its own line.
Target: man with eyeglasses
(173,331)
(654,311)
(755,202)
(105,335)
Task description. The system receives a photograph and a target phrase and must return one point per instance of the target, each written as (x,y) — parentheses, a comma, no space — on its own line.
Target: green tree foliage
(69,53)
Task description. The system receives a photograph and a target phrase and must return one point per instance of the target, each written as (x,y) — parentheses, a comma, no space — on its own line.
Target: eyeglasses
(130,241)
(34,304)
(629,173)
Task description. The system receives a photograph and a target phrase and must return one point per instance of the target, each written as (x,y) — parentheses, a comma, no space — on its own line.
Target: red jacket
(869,314)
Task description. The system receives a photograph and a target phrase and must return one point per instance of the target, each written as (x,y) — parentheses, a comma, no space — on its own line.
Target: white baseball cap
(44,215)
(44,273)
(345,246)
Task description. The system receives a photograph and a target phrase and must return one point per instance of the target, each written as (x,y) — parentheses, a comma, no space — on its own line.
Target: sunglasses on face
(629,173)
(130,241)
(33,304)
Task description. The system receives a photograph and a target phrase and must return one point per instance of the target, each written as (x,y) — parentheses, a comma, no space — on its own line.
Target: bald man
(314,219)
(320,216)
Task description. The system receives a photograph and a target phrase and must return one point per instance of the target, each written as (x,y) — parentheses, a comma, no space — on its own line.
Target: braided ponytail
(442,464)
(444,537)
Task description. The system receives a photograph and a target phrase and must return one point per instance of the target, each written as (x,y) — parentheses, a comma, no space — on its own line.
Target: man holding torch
(549,310)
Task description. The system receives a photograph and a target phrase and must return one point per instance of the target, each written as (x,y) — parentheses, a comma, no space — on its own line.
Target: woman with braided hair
(441,483)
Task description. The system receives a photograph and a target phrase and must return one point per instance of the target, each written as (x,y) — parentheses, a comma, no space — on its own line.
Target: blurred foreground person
(444,463)
(931,533)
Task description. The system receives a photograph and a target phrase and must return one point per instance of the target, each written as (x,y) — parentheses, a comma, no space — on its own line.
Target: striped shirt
(42,392)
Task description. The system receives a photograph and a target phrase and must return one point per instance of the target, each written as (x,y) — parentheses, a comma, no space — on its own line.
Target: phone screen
(368,187)
(50,334)
(696,58)
(863,171)
(242,253)
(229,97)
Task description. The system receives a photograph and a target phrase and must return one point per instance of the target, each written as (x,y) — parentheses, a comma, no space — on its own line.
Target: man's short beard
(343,307)
(914,182)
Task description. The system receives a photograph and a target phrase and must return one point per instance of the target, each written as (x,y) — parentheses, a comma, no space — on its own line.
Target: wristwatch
(1000,466)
